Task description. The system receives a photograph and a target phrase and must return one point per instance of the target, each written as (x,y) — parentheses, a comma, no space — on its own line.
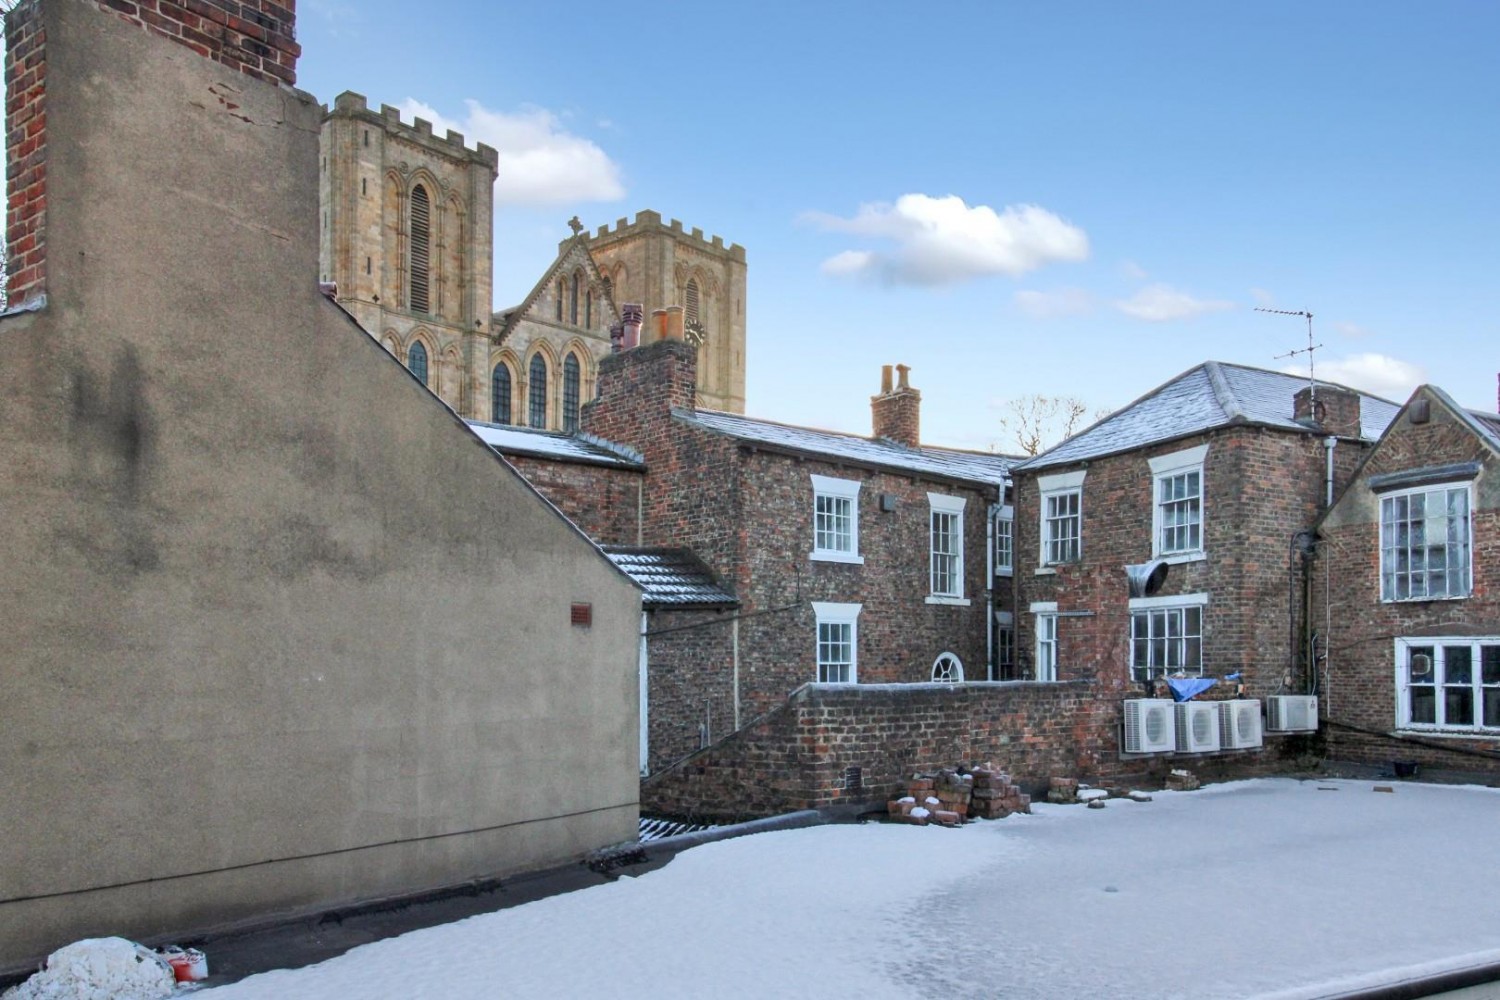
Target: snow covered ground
(1272,887)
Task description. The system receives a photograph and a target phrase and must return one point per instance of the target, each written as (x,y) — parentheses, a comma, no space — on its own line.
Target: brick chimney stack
(255,37)
(897,412)
(1335,411)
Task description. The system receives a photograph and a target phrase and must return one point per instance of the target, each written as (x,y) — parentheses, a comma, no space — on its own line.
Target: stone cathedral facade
(407,233)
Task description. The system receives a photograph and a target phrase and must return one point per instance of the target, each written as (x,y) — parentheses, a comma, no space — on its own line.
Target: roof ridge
(1223,392)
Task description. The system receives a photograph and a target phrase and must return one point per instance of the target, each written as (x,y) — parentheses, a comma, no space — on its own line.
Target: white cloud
(1351,330)
(941,241)
(540,162)
(1133,271)
(1054,304)
(1380,374)
(1161,303)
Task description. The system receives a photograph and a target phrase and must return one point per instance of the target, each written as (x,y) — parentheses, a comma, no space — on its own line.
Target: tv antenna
(1312,383)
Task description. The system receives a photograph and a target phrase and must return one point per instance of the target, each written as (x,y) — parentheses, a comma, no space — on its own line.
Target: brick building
(1406,594)
(1169,538)
(851,559)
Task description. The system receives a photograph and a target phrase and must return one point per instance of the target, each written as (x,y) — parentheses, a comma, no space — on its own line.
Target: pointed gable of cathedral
(558,298)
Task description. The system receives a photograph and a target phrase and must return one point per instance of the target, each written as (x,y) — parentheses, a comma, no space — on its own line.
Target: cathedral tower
(659,265)
(407,224)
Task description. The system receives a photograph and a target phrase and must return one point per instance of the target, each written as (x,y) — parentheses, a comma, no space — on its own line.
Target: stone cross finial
(576,225)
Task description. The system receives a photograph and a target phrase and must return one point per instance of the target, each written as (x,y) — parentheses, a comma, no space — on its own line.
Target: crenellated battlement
(647,220)
(352,105)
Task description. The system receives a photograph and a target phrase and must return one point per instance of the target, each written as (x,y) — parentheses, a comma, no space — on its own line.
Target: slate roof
(946,463)
(1490,424)
(582,448)
(671,578)
(1214,394)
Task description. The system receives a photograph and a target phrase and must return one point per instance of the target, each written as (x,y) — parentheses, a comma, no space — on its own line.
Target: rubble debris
(109,968)
(1096,803)
(1181,780)
(1063,791)
(1139,796)
(951,797)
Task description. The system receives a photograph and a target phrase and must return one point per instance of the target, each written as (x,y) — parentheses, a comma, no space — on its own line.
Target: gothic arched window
(573,298)
(690,304)
(588,309)
(419,246)
(570,393)
(416,360)
(562,293)
(500,394)
(536,392)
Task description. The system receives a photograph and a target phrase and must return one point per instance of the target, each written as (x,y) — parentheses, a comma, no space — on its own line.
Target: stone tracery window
(419,250)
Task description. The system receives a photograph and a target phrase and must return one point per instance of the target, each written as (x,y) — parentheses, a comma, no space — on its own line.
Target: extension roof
(850,449)
(582,448)
(1212,395)
(670,577)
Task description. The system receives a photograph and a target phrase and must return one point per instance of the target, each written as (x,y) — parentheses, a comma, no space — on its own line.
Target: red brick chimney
(256,37)
(640,386)
(897,412)
(1328,408)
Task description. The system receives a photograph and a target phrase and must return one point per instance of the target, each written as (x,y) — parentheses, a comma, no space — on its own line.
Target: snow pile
(98,969)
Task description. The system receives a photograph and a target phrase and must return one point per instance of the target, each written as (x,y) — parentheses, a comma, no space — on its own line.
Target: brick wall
(256,38)
(601,500)
(691,682)
(1359,694)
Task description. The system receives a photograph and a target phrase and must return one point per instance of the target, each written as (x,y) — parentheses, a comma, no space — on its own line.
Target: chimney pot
(901,371)
(675,316)
(885,380)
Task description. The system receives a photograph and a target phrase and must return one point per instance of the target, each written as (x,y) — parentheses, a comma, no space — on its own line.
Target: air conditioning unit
(1197,726)
(1239,724)
(1292,713)
(1148,726)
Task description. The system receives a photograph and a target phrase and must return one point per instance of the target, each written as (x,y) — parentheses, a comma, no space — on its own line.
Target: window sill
(1487,735)
(962,602)
(1178,558)
(1045,571)
(1424,600)
(1007,573)
(837,557)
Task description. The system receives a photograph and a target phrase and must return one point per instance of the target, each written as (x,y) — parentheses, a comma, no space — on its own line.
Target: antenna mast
(1312,382)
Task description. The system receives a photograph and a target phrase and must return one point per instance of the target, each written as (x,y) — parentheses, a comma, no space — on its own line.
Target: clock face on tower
(694,333)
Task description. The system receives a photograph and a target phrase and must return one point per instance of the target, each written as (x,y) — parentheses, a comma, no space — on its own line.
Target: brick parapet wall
(256,37)
(1359,692)
(603,501)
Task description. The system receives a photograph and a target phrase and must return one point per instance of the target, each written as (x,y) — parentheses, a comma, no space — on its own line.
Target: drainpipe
(1328,444)
(734,645)
(989,589)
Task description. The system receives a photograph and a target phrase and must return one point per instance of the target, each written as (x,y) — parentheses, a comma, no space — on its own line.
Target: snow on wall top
(949,463)
(551,444)
(1213,394)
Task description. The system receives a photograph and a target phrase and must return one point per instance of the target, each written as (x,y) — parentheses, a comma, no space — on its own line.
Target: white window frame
(1164,469)
(1057,486)
(1004,529)
(949,507)
(1046,639)
(1005,638)
(837,489)
(1441,646)
(1466,583)
(1176,602)
(826,613)
(957,668)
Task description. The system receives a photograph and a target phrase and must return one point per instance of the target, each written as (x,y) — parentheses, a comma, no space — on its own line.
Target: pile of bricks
(949,798)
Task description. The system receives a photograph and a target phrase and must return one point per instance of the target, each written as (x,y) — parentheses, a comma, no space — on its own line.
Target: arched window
(609,286)
(573,299)
(588,309)
(690,305)
(416,360)
(570,393)
(536,392)
(421,237)
(948,669)
(562,293)
(500,394)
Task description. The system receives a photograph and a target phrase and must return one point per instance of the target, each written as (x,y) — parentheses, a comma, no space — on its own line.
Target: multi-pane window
(1003,666)
(1179,503)
(416,360)
(1046,646)
(1004,554)
(1448,683)
(536,392)
(1165,641)
(837,649)
(570,393)
(419,249)
(1062,526)
(948,669)
(500,394)
(835,519)
(1424,544)
(946,565)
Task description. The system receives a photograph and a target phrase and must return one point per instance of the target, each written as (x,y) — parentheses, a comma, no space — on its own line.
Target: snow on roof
(550,444)
(948,463)
(1213,394)
(1489,423)
(670,577)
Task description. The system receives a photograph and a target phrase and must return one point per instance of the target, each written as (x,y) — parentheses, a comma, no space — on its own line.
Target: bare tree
(1037,422)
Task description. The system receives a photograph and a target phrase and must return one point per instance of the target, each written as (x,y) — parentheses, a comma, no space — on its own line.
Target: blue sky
(1079,200)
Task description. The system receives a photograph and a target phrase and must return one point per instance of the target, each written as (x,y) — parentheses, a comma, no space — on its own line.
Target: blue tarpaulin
(1184,688)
